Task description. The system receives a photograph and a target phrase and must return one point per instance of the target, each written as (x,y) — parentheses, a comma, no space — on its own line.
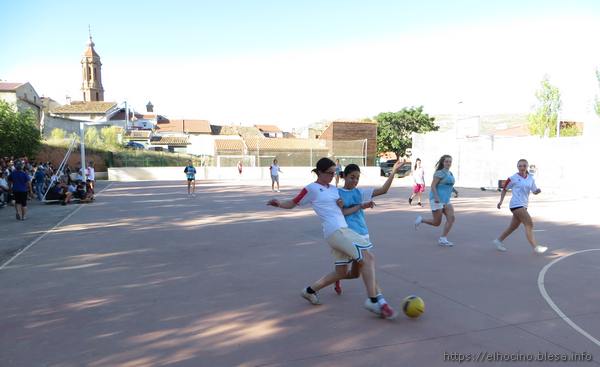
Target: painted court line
(48,232)
(554,306)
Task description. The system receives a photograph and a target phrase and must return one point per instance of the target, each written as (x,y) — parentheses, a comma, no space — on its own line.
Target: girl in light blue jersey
(355,201)
(439,199)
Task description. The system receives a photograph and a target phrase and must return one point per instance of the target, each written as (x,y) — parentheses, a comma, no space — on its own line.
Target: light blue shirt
(444,186)
(356,221)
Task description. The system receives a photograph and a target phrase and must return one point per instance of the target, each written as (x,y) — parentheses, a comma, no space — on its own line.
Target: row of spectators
(21,180)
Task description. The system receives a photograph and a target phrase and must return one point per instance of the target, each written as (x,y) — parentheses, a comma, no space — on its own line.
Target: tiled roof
(138,134)
(7,87)
(248,132)
(282,144)
(223,130)
(169,140)
(229,145)
(186,126)
(243,131)
(85,107)
(268,128)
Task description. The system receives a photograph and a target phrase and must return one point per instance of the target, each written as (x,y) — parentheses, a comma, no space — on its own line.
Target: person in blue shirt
(190,173)
(439,199)
(21,186)
(355,201)
(40,178)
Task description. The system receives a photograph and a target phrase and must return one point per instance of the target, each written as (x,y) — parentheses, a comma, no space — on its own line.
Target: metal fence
(353,151)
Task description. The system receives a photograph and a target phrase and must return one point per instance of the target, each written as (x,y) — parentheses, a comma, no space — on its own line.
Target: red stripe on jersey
(299,197)
(506,183)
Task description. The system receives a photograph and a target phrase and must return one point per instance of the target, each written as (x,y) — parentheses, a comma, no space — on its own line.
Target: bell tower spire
(91,71)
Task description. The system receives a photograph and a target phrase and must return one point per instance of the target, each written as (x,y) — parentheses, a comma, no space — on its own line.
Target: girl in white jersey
(346,245)
(521,183)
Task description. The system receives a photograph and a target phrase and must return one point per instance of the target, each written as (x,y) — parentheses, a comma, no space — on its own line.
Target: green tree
(19,134)
(58,134)
(394,129)
(544,118)
(109,136)
(92,138)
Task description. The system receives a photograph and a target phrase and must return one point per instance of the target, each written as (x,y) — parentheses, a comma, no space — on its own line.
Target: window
(97,96)
(89,73)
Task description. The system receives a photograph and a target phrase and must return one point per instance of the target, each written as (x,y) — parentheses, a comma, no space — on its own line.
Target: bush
(19,133)
(58,134)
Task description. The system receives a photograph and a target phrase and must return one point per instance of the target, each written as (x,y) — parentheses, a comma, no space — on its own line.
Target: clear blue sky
(376,55)
(181,29)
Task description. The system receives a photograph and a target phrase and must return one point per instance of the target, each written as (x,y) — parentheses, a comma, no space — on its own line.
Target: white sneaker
(499,245)
(384,311)
(418,221)
(540,249)
(443,241)
(373,307)
(312,298)
(278,190)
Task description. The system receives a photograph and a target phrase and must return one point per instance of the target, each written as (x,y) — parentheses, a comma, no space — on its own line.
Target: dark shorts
(20,198)
(191,179)
(517,207)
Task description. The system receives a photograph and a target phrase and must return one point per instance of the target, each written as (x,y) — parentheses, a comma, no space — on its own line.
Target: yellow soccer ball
(413,306)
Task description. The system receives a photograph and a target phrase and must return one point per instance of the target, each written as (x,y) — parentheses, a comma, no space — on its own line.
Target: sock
(373,299)
(309,290)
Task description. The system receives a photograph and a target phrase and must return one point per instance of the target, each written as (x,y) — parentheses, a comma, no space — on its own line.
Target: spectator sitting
(64,195)
(82,194)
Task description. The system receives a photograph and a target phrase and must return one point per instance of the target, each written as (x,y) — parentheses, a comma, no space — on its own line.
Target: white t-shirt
(419,176)
(521,187)
(91,174)
(323,200)
(275,170)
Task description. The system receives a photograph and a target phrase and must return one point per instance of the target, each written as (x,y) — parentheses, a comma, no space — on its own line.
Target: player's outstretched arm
(388,183)
(284,204)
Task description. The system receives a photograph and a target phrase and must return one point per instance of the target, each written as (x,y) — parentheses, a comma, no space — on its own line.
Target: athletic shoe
(18,216)
(313,298)
(384,311)
(388,312)
(373,307)
(540,249)
(499,245)
(338,287)
(419,204)
(409,201)
(278,190)
(443,241)
(418,221)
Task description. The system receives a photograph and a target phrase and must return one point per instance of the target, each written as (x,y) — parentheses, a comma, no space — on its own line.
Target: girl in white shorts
(346,245)
(521,183)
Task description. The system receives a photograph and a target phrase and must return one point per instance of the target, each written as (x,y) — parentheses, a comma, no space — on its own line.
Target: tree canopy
(394,129)
(19,134)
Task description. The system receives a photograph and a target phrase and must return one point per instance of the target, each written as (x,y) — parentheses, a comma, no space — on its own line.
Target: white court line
(554,306)
(48,232)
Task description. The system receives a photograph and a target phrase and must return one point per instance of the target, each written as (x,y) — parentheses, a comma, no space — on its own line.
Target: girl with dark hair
(418,175)
(355,201)
(346,245)
(439,199)
(521,183)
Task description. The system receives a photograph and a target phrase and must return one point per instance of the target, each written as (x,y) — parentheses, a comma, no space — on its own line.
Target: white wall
(201,144)
(295,175)
(563,164)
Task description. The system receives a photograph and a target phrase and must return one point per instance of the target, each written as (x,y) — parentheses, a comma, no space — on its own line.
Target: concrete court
(147,276)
